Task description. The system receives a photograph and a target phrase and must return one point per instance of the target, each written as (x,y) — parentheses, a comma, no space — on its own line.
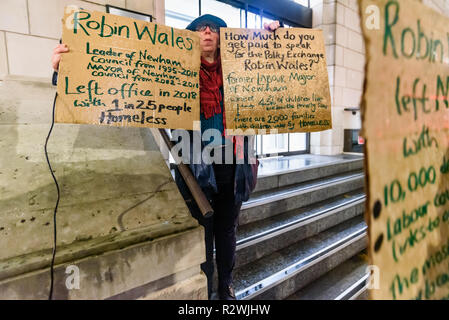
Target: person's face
(209,41)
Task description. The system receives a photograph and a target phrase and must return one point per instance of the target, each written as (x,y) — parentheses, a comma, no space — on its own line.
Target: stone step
(263,205)
(364,295)
(261,238)
(282,172)
(345,282)
(284,272)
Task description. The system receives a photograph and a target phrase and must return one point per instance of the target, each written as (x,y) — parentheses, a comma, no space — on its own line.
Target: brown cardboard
(405,122)
(125,72)
(275,80)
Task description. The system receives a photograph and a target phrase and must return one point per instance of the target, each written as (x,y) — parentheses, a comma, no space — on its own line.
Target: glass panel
(179,13)
(298,142)
(253,21)
(230,14)
(132,15)
(259,145)
(275,143)
(176,22)
(184,7)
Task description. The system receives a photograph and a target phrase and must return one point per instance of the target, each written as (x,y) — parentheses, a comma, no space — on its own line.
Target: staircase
(302,231)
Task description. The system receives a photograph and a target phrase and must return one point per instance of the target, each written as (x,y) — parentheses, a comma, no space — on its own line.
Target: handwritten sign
(125,72)
(275,80)
(405,123)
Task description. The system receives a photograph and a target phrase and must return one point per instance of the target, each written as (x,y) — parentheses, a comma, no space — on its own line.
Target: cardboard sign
(405,123)
(275,80)
(125,72)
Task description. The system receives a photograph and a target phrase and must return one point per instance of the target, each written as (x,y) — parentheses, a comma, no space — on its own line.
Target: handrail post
(192,184)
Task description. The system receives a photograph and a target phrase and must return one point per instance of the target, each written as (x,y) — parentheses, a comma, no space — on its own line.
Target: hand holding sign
(56,57)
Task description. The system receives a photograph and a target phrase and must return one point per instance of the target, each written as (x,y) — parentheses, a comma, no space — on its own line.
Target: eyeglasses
(212,28)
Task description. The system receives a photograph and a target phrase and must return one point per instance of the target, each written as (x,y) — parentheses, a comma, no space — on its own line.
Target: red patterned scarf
(211,80)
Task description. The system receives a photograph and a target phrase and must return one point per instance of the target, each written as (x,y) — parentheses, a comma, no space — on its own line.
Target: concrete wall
(340,23)
(30,29)
(324,17)
(345,49)
(121,218)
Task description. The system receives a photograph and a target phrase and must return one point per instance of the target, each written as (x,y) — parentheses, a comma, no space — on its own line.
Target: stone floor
(283,164)
(276,165)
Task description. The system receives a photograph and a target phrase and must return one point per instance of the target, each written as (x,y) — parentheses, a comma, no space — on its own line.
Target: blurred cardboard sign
(275,80)
(125,72)
(405,123)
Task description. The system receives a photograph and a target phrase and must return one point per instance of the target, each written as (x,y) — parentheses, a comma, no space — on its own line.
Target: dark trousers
(221,227)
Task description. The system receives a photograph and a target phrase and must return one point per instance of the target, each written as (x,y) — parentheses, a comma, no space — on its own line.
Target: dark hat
(206,19)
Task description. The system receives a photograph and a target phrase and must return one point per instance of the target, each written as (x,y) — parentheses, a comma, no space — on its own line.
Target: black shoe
(226,293)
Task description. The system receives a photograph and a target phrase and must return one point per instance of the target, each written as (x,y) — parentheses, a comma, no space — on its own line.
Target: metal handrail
(192,184)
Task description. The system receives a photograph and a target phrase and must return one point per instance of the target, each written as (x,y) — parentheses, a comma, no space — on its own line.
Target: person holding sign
(234,181)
